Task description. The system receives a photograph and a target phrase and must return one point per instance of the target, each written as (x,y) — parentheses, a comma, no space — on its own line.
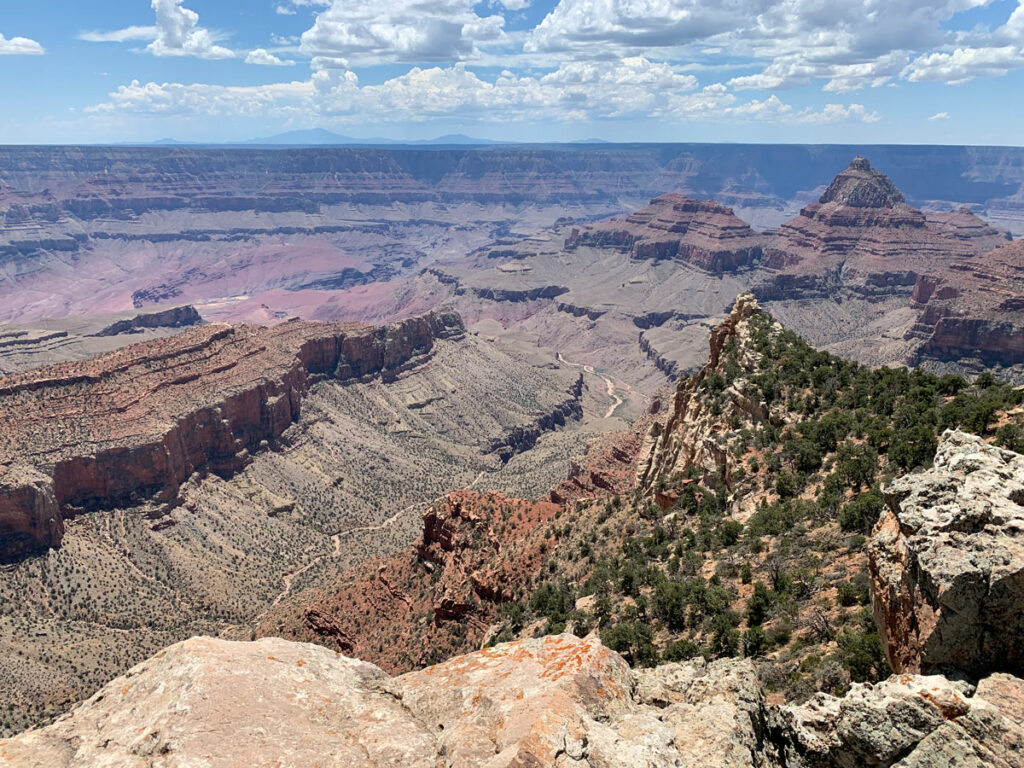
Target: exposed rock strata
(441,596)
(691,433)
(947,562)
(175,317)
(523,438)
(862,236)
(137,422)
(700,232)
(973,309)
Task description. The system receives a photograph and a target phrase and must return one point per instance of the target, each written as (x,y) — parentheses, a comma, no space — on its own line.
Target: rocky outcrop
(693,431)
(907,721)
(175,317)
(552,701)
(30,517)
(699,232)
(669,367)
(964,224)
(523,438)
(947,562)
(135,423)
(436,599)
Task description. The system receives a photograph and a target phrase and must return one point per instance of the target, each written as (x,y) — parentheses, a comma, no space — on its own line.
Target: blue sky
(900,71)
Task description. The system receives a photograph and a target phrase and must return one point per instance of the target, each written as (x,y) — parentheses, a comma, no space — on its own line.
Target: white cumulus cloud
(179,33)
(20,46)
(176,33)
(631,88)
(369,31)
(265,58)
(964,64)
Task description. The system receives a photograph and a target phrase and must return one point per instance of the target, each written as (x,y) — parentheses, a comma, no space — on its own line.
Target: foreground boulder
(551,701)
(556,700)
(947,562)
(910,721)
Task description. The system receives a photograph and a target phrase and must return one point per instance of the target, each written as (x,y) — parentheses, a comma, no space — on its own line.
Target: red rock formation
(137,422)
(861,235)
(973,309)
(699,232)
(476,551)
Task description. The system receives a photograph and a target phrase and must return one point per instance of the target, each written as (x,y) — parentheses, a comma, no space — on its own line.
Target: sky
(806,71)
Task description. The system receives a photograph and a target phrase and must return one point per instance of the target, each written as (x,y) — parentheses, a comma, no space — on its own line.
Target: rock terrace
(137,422)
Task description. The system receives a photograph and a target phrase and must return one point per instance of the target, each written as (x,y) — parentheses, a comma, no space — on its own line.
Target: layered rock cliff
(137,422)
(862,236)
(947,562)
(973,310)
(693,432)
(699,232)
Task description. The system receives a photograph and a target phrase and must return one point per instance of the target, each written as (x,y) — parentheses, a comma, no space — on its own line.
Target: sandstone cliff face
(947,562)
(699,232)
(137,422)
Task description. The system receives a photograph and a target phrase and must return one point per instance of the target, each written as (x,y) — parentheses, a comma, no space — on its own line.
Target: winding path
(289,578)
(610,387)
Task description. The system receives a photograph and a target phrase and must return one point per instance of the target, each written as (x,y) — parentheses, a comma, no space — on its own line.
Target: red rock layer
(410,610)
(862,235)
(477,551)
(700,232)
(137,422)
(974,308)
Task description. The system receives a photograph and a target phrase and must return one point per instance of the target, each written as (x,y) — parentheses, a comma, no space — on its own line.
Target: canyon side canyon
(595,455)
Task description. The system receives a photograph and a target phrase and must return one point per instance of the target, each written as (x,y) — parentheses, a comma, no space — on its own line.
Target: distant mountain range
(321,137)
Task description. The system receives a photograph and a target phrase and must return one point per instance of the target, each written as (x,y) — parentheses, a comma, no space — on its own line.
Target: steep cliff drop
(137,422)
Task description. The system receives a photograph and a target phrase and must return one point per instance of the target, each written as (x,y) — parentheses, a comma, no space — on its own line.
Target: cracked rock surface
(947,562)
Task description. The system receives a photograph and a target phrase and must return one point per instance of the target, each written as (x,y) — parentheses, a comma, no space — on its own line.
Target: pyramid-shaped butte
(863,225)
(861,186)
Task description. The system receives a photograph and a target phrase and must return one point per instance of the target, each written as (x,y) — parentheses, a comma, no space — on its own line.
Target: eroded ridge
(137,422)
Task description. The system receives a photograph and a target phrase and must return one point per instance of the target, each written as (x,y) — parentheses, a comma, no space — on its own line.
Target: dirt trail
(289,578)
(610,386)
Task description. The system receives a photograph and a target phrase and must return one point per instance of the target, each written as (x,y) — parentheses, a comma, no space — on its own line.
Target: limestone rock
(905,721)
(552,701)
(947,562)
(214,703)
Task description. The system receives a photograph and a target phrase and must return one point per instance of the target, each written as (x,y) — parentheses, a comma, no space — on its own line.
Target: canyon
(188,483)
(495,417)
(563,699)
